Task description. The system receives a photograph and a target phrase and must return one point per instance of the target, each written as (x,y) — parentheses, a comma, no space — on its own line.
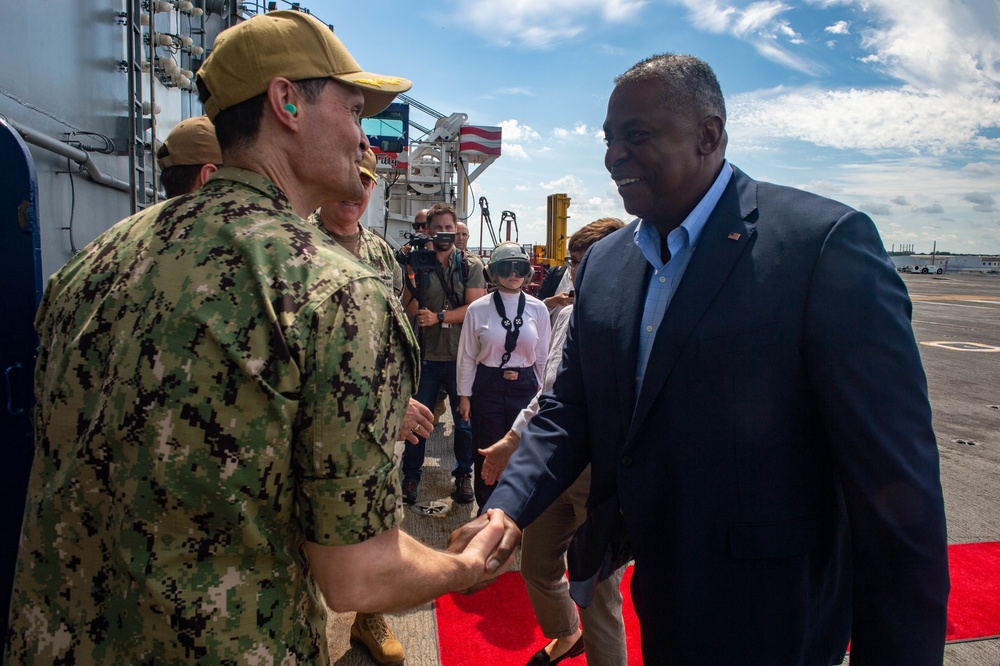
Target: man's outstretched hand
(500,558)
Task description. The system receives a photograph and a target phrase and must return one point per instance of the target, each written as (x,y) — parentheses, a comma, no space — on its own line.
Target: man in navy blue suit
(742,374)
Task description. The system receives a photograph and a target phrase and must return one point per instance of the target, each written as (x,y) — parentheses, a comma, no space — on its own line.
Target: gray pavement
(956,320)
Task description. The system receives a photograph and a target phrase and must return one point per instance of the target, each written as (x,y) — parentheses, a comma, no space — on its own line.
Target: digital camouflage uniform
(376,253)
(217,383)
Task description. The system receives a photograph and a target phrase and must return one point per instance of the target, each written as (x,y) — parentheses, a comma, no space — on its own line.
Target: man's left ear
(203,174)
(713,135)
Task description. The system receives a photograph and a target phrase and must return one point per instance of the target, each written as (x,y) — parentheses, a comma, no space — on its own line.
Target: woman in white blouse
(501,354)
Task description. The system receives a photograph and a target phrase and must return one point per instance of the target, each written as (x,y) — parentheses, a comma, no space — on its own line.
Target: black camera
(444,237)
(422,258)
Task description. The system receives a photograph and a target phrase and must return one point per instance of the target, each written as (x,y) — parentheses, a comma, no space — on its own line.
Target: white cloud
(793,37)
(925,122)
(579,129)
(608,49)
(758,24)
(978,169)
(930,184)
(540,23)
(838,28)
(514,151)
(824,187)
(878,209)
(927,43)
(757,17)
(527,92)
(584,211)
(513,130)
(774,52)
(514,134)
(983,202)
(570,185)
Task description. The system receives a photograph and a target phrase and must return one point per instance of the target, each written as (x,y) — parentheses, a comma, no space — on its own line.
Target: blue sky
(890,106)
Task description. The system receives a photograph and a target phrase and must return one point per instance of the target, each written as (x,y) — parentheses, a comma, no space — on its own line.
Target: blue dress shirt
(663,282)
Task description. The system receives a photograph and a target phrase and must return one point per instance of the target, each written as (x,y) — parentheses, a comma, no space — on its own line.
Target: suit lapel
(723,239)
(628,294)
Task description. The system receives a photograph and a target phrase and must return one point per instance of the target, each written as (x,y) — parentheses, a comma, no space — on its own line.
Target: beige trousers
(543,567)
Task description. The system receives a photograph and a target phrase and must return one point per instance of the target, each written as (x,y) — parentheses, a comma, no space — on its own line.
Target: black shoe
(409,492)
(541,658)
(463,490)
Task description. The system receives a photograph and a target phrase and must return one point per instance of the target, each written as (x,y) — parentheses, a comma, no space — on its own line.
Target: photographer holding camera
(446,282)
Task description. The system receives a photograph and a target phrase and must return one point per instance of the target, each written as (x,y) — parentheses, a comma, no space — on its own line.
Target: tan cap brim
(379,90)
(289,44)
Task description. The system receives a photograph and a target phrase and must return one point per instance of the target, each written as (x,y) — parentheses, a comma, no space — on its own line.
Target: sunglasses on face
(518,267)
(417,226)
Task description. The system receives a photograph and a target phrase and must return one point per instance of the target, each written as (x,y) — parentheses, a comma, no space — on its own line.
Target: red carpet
(497,625)
(974,604)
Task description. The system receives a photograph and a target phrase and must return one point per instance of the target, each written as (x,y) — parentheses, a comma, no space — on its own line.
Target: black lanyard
(513,329)
(450,294)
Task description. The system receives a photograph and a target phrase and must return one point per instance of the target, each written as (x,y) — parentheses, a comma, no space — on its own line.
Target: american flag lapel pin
(734,236)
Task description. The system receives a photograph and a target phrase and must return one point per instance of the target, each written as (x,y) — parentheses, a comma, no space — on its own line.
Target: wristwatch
(441,317)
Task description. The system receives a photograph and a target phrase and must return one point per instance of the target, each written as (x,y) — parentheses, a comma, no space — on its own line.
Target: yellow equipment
(555,225)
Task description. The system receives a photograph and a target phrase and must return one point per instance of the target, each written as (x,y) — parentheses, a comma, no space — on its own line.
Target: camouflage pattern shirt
(376,253)
(217,383)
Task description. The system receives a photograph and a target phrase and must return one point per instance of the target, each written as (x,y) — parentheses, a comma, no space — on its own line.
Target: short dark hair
(178,180)
(441,209)
(238,125)
(688,83)
(594,232)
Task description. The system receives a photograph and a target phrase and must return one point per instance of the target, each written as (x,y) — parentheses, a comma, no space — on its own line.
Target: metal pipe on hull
(79,156)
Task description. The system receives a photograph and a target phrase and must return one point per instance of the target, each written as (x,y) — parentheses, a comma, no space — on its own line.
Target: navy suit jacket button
(626,461)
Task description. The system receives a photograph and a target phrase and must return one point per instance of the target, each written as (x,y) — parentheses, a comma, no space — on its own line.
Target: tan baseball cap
(368,164)
(292,44)
(191,141)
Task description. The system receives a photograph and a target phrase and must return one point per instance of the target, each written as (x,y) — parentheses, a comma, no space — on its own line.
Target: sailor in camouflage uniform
(219,388)
(342,221)
(189,156)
